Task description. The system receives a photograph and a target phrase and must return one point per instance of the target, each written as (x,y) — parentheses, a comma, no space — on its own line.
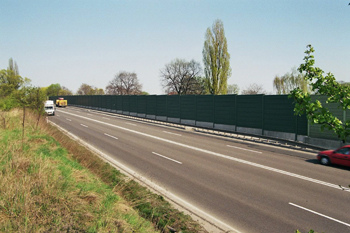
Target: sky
(72,42)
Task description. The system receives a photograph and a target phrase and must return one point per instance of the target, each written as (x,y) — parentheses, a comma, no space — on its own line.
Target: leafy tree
(200,87)
(86,89)
(10,80)
(98,91)
(182,77)
(233,89)
(36,98)
(13,66)
(65,91)
(7,103)
(23,97)
(288,82)
(322,85)
(53,89)
(216,59)
(124,83)
(344,83)
(254,89)
(57,90)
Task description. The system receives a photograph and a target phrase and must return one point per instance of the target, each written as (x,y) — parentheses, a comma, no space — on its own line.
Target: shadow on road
(315,161)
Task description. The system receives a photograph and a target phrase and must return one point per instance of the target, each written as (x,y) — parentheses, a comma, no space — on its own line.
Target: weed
(43,189)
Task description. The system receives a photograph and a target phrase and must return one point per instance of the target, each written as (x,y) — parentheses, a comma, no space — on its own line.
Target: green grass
(51,183)
(44,189)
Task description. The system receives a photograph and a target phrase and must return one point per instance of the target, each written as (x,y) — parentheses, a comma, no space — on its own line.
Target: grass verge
(43,189)
(51,183)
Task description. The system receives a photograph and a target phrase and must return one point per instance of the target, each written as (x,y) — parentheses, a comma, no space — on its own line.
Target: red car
(340,156)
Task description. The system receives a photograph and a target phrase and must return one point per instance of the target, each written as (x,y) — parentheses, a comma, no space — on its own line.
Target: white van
(49,107)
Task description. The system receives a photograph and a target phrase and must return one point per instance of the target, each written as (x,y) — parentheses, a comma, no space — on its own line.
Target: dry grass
(69,188)
(43,189)
(149,205)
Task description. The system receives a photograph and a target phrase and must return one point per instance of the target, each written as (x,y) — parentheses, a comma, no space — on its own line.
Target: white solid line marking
(336,186)
(167,158)
(156,187)
(106,118)
(130,124)
(325,216)
(68,119)
(58,115)
(111,136)
(172,133)
(84,125)
(244,149)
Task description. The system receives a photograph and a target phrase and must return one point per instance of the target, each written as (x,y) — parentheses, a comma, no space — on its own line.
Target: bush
(8,103)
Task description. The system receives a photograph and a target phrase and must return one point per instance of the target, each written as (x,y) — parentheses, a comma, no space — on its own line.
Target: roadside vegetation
(44,189)
(51,183)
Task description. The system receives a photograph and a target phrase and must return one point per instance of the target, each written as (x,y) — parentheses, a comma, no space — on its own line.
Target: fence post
(156,113)
(129,104)
(296,128)
(166,107)
(213,111)
(195,109)
(137,105)
(236,113)
(262,114)
(179,96)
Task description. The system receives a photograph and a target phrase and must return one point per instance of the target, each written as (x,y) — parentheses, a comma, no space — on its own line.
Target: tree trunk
(24,117)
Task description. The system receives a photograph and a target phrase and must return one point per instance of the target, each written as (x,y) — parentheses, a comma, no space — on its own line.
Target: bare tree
(288,82)
(182,77)
(65,91)
(36,98)
(124,83)
(233,89)
(254,89)
(85,89)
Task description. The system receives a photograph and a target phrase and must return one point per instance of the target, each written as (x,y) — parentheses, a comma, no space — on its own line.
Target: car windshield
(48,108)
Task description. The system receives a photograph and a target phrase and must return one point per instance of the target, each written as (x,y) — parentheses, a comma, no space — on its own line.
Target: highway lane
(270,157)
(245,196)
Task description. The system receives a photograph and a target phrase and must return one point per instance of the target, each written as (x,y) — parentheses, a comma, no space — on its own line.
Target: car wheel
(325,161)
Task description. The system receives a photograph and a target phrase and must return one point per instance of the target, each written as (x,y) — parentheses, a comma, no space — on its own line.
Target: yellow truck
(60,102)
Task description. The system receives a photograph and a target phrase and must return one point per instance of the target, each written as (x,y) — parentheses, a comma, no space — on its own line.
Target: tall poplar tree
(216,59)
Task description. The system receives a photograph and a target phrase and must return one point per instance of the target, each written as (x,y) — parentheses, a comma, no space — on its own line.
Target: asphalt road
(246,187)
